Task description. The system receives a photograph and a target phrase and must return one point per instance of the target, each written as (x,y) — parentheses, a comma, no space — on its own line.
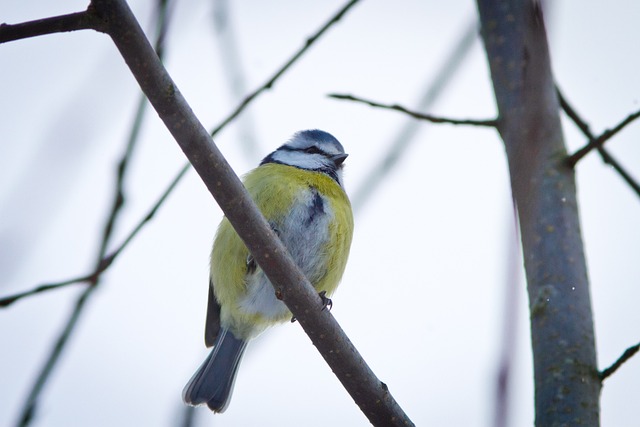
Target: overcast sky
(423,297)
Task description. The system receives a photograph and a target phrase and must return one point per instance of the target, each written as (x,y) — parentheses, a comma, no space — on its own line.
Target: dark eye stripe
(313,150)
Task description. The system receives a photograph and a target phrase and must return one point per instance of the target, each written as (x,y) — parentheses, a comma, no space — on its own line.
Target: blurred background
(424,297)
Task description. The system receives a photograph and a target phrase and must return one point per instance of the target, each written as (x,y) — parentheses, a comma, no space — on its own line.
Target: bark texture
(567,387)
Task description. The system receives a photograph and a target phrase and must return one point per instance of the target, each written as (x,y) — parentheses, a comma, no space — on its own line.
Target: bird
(299,190)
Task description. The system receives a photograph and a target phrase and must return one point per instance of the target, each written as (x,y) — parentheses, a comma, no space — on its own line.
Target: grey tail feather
(213,382)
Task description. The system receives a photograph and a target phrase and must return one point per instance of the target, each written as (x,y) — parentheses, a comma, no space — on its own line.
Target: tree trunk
(567,387)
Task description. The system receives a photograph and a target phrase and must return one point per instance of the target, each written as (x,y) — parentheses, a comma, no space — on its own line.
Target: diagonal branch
(604,154)
(178,177)
(106,261)
(269,83)
(421,116)
(102,262)
(628,354)
(405,136)
(7,301)
(371,395)
(234,73)
(573,114)
(600,140)
(57,24)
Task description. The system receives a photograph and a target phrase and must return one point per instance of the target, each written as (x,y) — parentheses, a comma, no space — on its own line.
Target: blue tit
(299,190)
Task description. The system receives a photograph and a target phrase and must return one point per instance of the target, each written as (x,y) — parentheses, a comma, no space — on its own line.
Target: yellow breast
(277,189)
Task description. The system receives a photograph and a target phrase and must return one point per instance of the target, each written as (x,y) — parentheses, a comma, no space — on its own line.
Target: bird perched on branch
(298,188)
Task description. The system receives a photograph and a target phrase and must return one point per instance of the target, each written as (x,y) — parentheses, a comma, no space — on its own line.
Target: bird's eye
(313,150)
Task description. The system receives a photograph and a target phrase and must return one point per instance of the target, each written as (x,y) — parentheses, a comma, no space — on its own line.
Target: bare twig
(30,405)
(6,301)
(421,116)
(509,323)
(234,74)
(149,215)
(178,177)
(188,415)
(56,24)
(109,259)
(573,114)
(628,354)
(405,136)
(269,83)
(233,114)
(371,395)
(102,262)
(604,153)
(604,137)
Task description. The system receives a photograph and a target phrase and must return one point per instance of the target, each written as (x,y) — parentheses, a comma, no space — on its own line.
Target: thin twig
(573,114)
(628,354)
(151,213)
(7,301)
(106,260)
(510,319)
(56,24)
(178,177)
(30,405)
(604,153)
(371,395)
(405,136)
(600,140)
(269,83)
(102,262)
(234,74)
(608,159)
(421,116)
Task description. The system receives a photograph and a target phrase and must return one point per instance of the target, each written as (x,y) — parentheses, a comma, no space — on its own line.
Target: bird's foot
(326,302)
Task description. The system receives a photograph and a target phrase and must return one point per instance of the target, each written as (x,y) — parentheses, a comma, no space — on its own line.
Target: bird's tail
(213,382)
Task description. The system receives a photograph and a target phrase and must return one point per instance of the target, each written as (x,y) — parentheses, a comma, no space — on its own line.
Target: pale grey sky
(422,297)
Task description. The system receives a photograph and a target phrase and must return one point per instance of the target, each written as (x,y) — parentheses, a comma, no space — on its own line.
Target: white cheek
(299,159)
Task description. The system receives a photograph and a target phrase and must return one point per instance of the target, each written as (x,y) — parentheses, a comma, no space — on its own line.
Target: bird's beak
(338,159)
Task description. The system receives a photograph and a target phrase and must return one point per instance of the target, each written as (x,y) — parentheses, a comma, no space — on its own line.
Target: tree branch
(604,154)
(512,283)
(573,114)
(7,301)
(628,354)
(108,260)
(178,177)
(370,394)
(269,84)
(57,24)
(102,261)
(600,140)
(414,114)
(405,136)
(567,387)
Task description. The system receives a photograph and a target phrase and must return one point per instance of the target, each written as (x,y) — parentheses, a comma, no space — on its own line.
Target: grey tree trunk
(567,387)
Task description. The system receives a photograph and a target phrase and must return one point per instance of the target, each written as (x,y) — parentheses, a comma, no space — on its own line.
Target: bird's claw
(326,302)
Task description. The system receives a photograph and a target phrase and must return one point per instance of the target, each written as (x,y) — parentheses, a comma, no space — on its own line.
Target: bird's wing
(212,325)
